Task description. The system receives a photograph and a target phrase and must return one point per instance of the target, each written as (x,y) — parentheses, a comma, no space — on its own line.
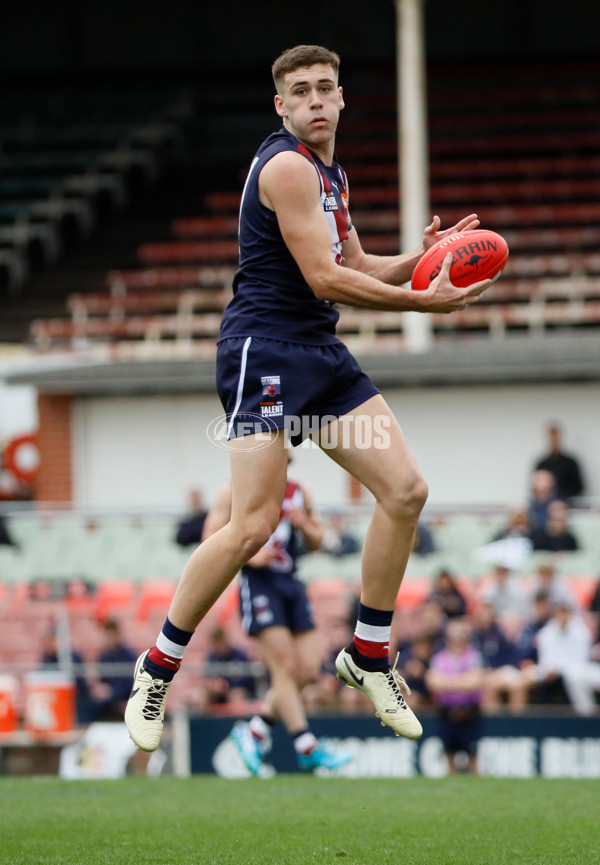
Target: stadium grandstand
(119,194)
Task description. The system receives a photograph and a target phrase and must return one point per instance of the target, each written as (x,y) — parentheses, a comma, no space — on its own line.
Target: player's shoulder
(288,177)
(290,165)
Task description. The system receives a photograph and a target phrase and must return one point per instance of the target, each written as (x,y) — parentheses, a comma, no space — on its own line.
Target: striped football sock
(371,645)
(164,658)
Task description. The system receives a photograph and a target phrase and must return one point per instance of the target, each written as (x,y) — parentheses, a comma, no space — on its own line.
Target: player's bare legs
(258,479)
(254,515)
(391,474)
(292,662)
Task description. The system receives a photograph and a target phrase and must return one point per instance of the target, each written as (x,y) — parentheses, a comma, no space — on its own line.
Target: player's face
(310,102)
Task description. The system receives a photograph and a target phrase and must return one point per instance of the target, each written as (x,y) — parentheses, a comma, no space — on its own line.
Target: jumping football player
(279,359)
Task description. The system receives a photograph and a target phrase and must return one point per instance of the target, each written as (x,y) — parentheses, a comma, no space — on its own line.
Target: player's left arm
(308,522)
(398,269)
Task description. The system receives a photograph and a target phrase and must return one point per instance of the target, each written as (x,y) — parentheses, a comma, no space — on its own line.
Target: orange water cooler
(9,715)
(49,703)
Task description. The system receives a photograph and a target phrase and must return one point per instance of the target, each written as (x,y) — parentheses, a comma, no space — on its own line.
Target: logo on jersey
(330,203)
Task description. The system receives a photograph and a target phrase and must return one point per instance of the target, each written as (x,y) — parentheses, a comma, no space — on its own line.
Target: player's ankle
(164,658)
(371,643)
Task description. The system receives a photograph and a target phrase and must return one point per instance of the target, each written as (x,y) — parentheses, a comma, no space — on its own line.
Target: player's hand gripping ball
(476,255)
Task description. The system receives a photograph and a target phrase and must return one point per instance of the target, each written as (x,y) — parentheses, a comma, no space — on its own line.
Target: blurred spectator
(488,638)
(414,661)
(547,580)
(517,525)
(6,538)
(227,687)
(526,646)
(424,544)
(502,676)
(455,679)
(337,541)
(447,594)
(564,662)
(542,492)
(564,467)
(595,607)
(431,624)
(555,535)
(55,657)
(190,528)
(506,597)
(111,692)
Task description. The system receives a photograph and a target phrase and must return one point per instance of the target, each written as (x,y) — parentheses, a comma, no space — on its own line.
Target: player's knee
(255,535)
(307,674)
(406,501)
(285,666)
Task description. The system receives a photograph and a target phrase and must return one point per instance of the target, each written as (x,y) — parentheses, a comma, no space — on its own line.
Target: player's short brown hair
(302,55)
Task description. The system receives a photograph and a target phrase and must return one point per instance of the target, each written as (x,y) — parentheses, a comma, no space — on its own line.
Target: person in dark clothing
(5,536)
(415,658)
(526,647)
(555,535)
(447,594)
(223,687)
(543,492)
(502,677)
(190,528)
(565,467)
(490,641)
(111,692)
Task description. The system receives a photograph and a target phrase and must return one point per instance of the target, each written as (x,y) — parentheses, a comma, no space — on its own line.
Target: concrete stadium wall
(476,445)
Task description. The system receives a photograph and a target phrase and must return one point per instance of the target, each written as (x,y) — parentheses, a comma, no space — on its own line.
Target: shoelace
(156,694)
(397,683)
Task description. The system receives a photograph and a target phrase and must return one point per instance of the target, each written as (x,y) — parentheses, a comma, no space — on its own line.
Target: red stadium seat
(583,589)
(155,597)
(208,250)
(115,596)
(413,592)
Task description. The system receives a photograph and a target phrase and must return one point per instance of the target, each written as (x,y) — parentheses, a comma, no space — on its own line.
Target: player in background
(276,611)
(279,359)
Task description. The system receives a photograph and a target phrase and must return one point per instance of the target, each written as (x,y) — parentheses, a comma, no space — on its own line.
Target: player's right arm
(288,184)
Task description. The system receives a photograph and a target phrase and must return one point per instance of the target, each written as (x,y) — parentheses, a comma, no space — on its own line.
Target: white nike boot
(145,712)
(385,692)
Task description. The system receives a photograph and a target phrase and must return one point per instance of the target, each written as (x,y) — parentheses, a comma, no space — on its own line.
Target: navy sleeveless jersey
(271,297)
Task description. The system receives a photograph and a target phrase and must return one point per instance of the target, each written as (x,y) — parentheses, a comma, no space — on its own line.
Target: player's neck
(324,151)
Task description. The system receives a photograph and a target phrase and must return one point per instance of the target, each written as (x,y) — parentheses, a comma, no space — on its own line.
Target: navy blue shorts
(272,600)
(266,385)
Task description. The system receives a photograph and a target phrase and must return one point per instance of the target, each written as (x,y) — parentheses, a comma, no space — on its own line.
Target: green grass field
(293,820)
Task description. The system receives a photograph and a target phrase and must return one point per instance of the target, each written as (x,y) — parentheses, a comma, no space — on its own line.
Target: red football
(478,254)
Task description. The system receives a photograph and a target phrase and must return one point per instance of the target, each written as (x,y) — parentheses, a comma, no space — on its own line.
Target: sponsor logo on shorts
(271,385)
(270,410)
